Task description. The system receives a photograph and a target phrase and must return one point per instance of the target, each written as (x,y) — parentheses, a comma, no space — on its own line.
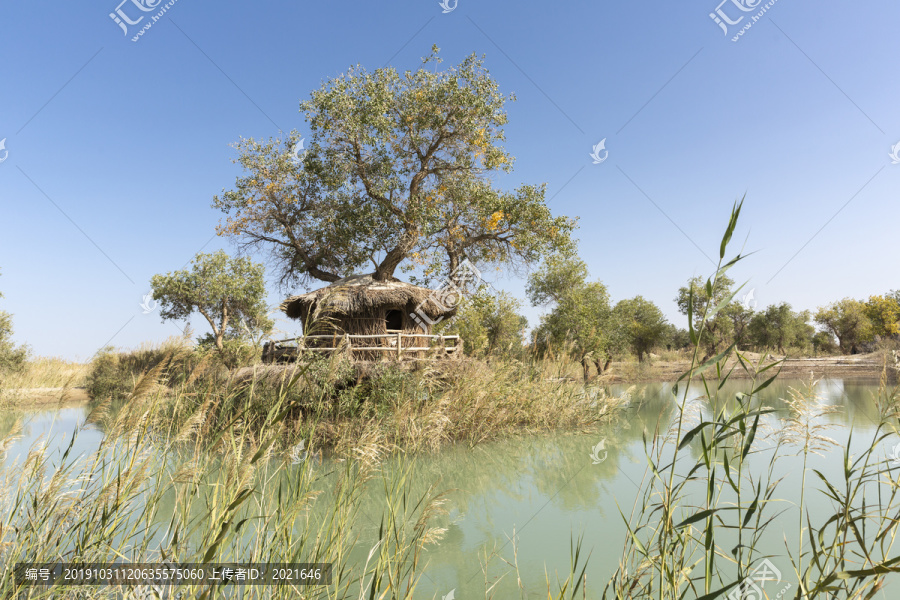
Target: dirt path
(858,366)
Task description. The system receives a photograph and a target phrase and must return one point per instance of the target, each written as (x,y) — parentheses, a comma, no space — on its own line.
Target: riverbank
(857,366)
(43,397)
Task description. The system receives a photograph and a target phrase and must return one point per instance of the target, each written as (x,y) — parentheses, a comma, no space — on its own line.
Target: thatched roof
(361,294)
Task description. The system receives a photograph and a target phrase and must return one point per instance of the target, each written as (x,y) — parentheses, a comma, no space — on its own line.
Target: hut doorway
(393,320)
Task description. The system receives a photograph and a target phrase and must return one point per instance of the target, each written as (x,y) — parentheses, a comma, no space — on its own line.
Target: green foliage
(580,316)
(489,324)
(228,292)
(676,338)
(823,342)
(113,374)
(696,299)
(111,377)
(12,357)
(237,350)
(642,325)
(884,313)
(847,320)
(779,327)
(703,511)
(397,171)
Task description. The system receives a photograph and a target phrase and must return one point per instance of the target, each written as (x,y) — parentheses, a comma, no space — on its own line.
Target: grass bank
(191,469)
(330,403)
(44,381)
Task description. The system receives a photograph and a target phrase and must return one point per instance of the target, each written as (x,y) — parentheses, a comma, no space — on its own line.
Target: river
(545,490)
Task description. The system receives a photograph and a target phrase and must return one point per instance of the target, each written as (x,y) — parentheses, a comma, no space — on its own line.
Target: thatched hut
(359,305)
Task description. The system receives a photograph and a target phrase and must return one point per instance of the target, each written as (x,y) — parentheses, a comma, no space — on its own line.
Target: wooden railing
(383,342)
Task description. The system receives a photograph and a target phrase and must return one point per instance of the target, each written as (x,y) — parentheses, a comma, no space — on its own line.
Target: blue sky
(116,148)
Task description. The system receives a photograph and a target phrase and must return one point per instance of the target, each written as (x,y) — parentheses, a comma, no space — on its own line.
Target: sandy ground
(858,366)
(43,397)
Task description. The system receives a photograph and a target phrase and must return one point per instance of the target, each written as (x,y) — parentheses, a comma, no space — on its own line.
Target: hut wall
(372,323)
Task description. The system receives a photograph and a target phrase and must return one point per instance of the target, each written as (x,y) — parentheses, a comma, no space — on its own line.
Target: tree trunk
(586,366)
(601,368)
(220,334)
(385,270)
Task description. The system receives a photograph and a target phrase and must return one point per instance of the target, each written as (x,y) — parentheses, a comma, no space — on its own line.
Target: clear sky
(116,148)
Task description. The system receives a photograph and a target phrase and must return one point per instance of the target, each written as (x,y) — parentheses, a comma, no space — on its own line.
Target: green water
(546,489)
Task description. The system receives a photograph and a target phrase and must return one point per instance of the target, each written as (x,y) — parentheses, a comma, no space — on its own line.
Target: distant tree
(580,316)
(228,292)
(823,341)
(12,356)
(847,320)
(398,171)
(781,328)
(642,324)
(489,324)
(676,338)
(740,317)
(720,328)
(884,313)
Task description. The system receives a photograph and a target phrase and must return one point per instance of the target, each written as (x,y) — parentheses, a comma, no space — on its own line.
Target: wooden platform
(388,346)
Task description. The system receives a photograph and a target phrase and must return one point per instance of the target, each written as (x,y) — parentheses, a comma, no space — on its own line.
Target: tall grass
(153,494)
(194,467)
(698,524)
(332,403)
(48,373)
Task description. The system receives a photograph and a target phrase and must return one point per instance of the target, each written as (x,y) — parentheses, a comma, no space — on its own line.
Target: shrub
(113,374)
(12,357)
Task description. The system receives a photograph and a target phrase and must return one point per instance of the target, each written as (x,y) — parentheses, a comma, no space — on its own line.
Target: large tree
(489,323)
(397,172)
(781,328)
(580,317)
(642,324)
(228,292)
(847,320)
(884,313)
(720,328)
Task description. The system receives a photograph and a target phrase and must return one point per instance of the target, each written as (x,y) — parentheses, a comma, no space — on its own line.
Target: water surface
(535,493)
